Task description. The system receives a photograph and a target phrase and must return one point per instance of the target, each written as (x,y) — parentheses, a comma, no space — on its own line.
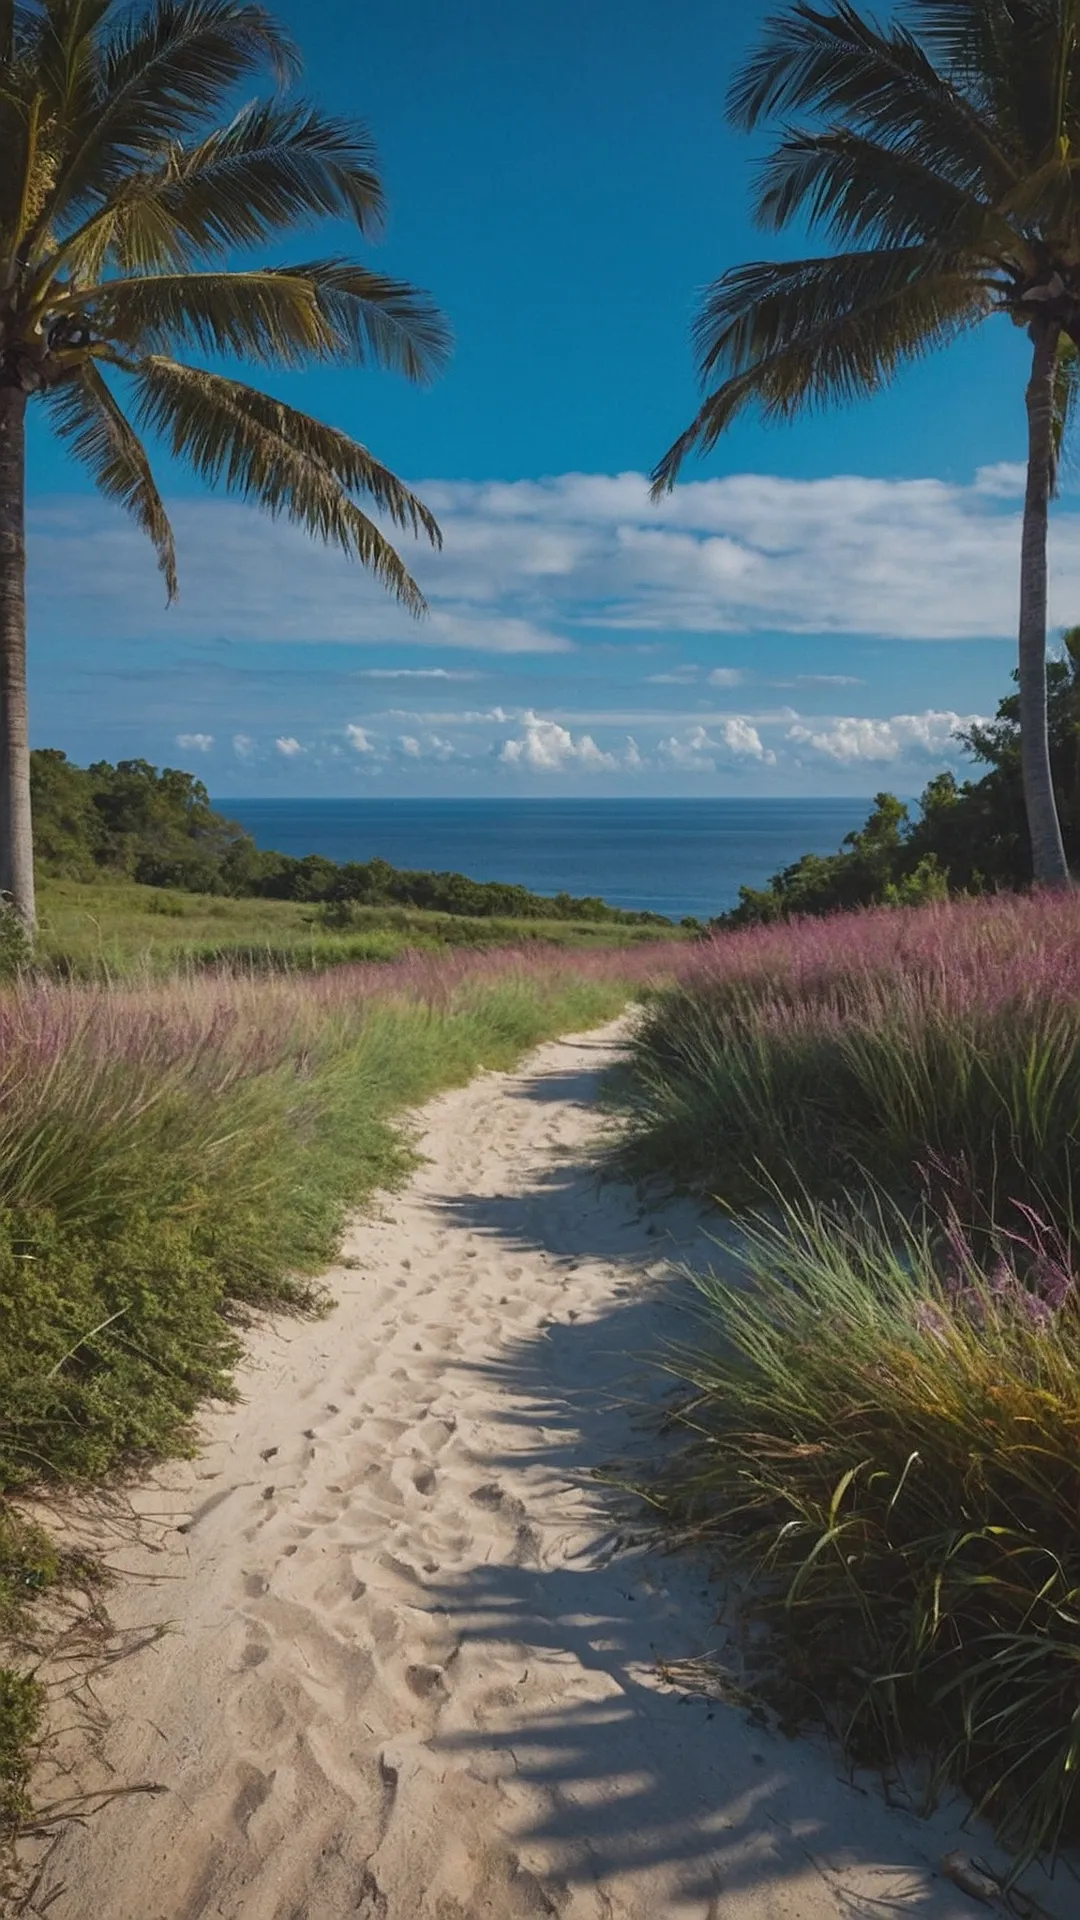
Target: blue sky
(814,611)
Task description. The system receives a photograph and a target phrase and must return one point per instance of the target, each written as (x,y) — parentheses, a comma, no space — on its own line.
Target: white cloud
(726,677)
(527,566)
(1003,481)
(244,746)
(678,677)
(733,740)
(547,747)
(195,742)
(822,680)
(410,746)
(413,673)
(918,736)
(359,738)
(287,746)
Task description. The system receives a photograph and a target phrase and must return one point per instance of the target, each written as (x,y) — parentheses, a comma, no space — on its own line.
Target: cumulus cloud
(244,746)
(195,742)
(726,677)
(287,746)
(410,746)
(917,736)
(547,747)
(697,750)
(359,739)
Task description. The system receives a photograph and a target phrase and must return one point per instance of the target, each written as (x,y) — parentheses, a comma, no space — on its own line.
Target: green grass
(174,1153)
(118,928)
(897,1462)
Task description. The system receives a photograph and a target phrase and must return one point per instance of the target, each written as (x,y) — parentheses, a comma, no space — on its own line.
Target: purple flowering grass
(822,1055)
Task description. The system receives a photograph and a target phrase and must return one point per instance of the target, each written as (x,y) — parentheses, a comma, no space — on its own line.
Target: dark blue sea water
(670,856)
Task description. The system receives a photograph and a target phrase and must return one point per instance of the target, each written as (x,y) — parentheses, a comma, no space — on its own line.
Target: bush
(892,1444)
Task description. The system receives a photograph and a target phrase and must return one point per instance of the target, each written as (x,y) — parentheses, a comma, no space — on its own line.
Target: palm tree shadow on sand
(639,1776)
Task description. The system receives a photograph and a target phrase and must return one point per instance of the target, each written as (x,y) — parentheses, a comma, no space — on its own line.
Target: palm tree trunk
(1047,851)
(16,832)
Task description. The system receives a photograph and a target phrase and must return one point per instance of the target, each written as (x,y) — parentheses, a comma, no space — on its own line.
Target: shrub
(893,1446)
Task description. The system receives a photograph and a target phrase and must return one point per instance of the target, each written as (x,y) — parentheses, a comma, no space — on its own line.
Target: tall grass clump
(822,1055)
(885,1425)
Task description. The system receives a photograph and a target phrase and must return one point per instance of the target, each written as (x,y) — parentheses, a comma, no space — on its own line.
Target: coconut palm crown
(940,153)
(130,187)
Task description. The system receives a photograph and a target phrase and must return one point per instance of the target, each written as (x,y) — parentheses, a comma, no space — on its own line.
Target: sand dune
(412,1673)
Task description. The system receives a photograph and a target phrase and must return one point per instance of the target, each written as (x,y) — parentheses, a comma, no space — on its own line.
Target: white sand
(412,1674)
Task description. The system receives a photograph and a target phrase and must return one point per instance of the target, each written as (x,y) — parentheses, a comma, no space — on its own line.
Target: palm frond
(1013,56)
(87,415)
(804,333)
(284,461)
(161,71)
(376,319)
(321,309)
(877,195)
(833,63)
(259,314)
(65,53)
(275,164)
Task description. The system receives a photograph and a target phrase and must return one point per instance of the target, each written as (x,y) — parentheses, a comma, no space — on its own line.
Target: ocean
(668,856)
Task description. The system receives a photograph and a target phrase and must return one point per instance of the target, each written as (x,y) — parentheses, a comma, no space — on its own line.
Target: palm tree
(941,154)
(129,186)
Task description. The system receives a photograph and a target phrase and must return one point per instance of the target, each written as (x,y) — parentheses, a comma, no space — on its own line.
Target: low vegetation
(175,1154)
(112,929)
(891,1443)
(132,822)
(886,1420)
(939,1046)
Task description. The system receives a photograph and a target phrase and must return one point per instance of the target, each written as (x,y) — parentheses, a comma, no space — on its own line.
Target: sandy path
(413,1672)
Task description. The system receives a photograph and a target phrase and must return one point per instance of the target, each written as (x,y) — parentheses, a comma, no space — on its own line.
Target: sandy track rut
(412,1672)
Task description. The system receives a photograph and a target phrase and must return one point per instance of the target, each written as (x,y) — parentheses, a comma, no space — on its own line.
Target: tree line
(969,836)
(135,822)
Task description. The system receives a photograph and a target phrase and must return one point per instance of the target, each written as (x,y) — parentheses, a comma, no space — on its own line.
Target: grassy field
(885,1423)
(176,1152)
(115,928)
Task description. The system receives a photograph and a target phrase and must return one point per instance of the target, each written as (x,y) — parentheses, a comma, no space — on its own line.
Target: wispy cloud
(195,742)
(413,673)
(288,748)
